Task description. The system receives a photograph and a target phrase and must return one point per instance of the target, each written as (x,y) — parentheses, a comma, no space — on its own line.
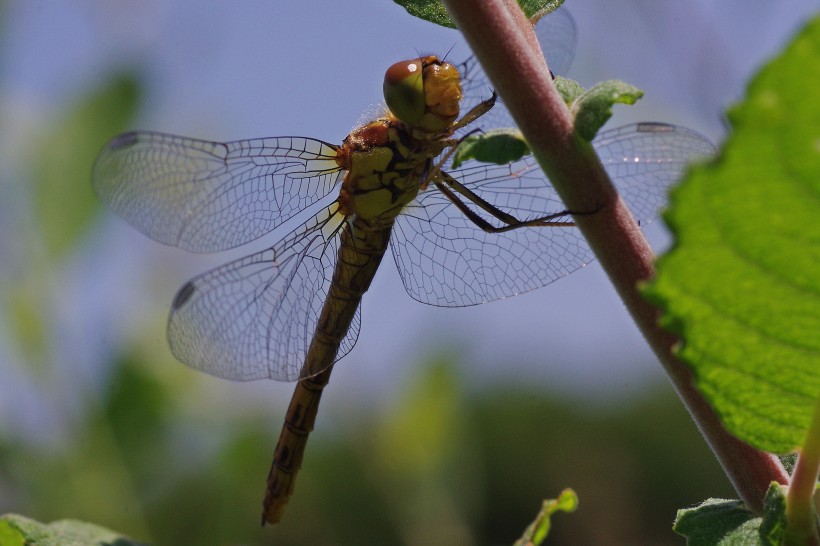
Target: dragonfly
(459,236)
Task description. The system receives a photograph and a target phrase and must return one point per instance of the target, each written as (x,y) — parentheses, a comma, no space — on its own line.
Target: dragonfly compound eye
(404,90)
(424,93)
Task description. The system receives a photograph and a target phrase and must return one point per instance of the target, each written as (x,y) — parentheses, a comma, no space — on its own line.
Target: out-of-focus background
(442,425)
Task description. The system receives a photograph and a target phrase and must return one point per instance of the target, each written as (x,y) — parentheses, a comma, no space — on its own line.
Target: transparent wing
(444,259)
(255,317)
(210,196)
(557,35)
(645,159)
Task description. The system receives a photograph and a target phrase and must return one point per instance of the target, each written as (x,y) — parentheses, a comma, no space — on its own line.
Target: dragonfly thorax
(385,167)
(423,93)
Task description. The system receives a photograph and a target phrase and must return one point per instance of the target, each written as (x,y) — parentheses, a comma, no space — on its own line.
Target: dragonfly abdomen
(361,250)
(290,448)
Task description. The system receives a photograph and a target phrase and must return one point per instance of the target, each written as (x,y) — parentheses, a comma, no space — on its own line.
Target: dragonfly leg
(475,112)
(556,219)
(435,172)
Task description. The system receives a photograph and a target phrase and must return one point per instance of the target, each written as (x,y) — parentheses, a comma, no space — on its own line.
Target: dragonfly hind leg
(453,186)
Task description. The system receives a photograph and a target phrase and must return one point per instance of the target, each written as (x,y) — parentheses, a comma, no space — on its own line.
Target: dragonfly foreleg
(510,221)
(475,112)
(436,172)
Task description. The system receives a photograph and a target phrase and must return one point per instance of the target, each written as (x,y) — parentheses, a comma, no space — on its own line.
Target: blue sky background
(230,70)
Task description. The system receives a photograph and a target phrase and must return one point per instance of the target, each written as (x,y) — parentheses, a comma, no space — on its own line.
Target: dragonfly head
(423,93)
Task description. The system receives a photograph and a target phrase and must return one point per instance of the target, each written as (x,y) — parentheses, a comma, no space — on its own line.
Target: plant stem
(505,44)
(801,514)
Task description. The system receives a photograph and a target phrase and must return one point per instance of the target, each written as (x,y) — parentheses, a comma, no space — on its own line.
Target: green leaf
(9,535)
(16,529)
(773,526)
(718,522)
(535,9)
(499,146)
(594,107)
(429,10)
(569,89)
(435,12)
(65,200)
(538,530)
(741,286)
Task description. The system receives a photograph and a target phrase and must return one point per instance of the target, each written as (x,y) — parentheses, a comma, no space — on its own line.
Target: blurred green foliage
(437,466)
(64,205)
(61,180)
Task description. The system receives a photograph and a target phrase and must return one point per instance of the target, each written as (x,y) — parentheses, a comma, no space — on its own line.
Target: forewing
(255,317)
(209,196)
(445,259)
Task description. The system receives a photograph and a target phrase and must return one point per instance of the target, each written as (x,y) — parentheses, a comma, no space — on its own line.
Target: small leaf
(9,535)
(435,11)
(538,530)
(16,529)
(594,107)
(499,146)
(535,9)
(65,200)
(569,89)
(718,522)
(741,285)
(429,10)
(773,526)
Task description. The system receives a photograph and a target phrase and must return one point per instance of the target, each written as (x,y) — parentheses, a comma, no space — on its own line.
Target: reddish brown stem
(504,43)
